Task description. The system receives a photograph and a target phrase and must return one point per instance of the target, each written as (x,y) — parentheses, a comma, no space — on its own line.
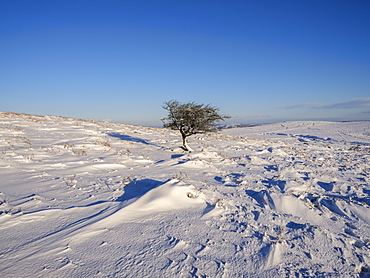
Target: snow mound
(171,195)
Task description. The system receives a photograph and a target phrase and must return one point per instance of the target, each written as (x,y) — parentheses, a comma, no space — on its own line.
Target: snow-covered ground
(91,199)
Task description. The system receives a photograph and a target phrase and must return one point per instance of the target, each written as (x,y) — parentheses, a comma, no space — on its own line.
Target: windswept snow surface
(90,199)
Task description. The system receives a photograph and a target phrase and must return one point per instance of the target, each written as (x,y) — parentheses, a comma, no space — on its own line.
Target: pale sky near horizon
(258,61)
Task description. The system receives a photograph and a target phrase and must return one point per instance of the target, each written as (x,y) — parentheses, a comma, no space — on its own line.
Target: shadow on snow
(125,137)
(137,188)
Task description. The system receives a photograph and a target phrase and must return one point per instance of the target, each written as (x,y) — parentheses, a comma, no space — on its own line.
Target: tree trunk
(185,143)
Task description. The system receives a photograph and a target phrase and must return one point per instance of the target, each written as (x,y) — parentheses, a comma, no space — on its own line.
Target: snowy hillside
(91,199)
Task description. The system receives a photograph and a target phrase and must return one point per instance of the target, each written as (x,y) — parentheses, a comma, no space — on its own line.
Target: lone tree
(191,118)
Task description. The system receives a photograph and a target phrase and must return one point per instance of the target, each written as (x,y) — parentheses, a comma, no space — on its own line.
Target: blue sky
(258,61)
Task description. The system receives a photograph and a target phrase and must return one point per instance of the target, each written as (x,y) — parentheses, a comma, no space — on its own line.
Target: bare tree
(191,118)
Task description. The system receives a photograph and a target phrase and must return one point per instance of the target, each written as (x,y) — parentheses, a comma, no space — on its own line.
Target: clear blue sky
(259,61)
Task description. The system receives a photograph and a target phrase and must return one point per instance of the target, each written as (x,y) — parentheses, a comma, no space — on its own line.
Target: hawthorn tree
(191,118)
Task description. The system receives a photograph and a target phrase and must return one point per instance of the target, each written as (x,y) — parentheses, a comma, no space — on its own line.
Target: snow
(80,198)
